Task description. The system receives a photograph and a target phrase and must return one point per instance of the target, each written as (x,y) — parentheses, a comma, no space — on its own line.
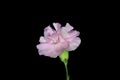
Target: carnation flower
(56,41)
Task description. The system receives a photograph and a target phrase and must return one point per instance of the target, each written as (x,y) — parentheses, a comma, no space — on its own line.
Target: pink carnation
(54,42)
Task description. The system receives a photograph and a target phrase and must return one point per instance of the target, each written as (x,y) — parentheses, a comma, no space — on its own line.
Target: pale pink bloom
(56,41)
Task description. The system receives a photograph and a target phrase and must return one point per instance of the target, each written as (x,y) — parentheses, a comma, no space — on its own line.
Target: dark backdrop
(86,62)
(22,26)
(80,62)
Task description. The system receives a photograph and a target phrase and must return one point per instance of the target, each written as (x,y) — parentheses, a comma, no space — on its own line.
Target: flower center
(56,40)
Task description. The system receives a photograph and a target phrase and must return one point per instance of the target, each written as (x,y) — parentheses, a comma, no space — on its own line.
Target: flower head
(57,41)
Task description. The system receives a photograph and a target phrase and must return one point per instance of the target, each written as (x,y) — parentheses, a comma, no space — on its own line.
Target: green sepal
(64,56)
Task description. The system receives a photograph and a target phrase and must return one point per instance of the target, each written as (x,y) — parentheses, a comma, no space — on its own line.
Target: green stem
(67,76)
(64,58)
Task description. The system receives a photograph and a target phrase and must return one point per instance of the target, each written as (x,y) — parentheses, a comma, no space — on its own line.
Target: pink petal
(68,27)
(69,34)
(59,48)
(64,32)
(74,43)
(42,39)
(48,31)
(47,50)
(57,26)
(74,33)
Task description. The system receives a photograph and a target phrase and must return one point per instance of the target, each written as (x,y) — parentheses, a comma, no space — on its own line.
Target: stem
(64,58)
(67,76)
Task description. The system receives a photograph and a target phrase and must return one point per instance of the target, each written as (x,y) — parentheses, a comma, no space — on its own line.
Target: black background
(54,67)
(22,24)
(22,60)
(21,27)
(83,62)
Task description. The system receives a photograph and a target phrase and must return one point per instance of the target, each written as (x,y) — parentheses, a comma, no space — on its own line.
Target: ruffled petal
(64,32)
(59,48)
(68,27)
(70,34)
(42,39)
(73,43)
(57,26)
(48,31)
(47,50)
(73,33)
